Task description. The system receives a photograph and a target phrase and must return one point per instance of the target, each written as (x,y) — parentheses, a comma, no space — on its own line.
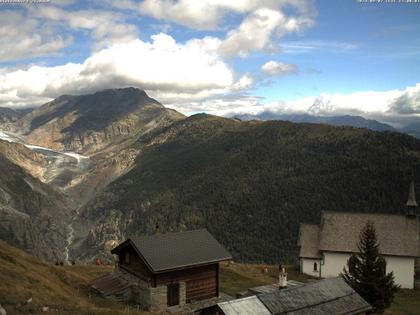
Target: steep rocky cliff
(31,161)
(33,216)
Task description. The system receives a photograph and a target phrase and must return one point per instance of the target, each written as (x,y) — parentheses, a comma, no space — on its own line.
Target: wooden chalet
(184,264)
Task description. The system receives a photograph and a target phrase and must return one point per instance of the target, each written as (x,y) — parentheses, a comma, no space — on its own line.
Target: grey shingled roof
(309,241)
(329,296)
(397,234)
(246,306)
(163,252)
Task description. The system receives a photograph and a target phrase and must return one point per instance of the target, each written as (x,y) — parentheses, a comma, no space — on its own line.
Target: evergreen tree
(366,272)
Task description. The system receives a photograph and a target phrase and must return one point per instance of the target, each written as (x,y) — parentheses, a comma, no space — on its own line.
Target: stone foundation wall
(182,293)
(141,296)
(158,298)
(149,298)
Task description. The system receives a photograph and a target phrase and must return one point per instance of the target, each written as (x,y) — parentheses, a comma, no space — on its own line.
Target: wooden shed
(186,263)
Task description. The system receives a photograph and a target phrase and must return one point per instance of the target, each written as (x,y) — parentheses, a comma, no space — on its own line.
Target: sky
(222,57)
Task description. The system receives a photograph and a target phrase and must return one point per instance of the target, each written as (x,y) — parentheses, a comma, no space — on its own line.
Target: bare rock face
(88,124)
(29,160)
(33,215)
(105,234)
(8,116)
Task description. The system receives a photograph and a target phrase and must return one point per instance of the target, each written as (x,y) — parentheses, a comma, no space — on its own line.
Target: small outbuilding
(169,270)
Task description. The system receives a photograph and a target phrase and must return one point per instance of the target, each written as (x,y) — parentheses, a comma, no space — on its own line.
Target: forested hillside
(252,183)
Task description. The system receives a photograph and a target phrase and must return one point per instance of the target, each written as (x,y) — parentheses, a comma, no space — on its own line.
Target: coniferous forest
(252,183)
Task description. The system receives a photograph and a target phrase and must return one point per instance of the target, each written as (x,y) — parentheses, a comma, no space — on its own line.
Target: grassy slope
(239,277)
(406,302)
(63,289)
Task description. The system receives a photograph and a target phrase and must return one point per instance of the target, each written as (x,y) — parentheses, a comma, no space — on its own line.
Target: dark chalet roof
(174,251)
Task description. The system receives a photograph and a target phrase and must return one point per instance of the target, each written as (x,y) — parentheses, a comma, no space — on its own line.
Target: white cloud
(106,27)
(407,103)
(45,30)
(24,37)
(170,71)
(278,68)
(222,106)
(208,14)
(357,103)
(194,14)
(33,31)
(121,4)
(263,20)
(256,31)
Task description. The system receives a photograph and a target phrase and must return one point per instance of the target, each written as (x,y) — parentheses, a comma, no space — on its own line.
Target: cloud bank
(173,72)
(194,75)
(384,105)
(208,14)
(165,68)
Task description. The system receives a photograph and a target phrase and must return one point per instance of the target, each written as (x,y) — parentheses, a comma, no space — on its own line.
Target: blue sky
(217,56)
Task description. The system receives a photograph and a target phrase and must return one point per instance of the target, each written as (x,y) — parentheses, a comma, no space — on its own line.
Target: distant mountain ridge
(344,120)
(412,129)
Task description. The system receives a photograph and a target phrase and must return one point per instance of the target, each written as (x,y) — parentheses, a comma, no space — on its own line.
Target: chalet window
(127,258)
(315,266)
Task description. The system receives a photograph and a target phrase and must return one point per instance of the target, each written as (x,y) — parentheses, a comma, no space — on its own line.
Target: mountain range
(344,120)
(85,172)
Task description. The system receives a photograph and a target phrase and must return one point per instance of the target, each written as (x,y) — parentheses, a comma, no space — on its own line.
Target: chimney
(411,202)
(282,277)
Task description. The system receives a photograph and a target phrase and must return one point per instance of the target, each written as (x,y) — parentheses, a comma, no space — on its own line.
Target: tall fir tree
(366,272)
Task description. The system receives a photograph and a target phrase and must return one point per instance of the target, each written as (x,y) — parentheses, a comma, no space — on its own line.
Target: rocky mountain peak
(89,123)
(134,95)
